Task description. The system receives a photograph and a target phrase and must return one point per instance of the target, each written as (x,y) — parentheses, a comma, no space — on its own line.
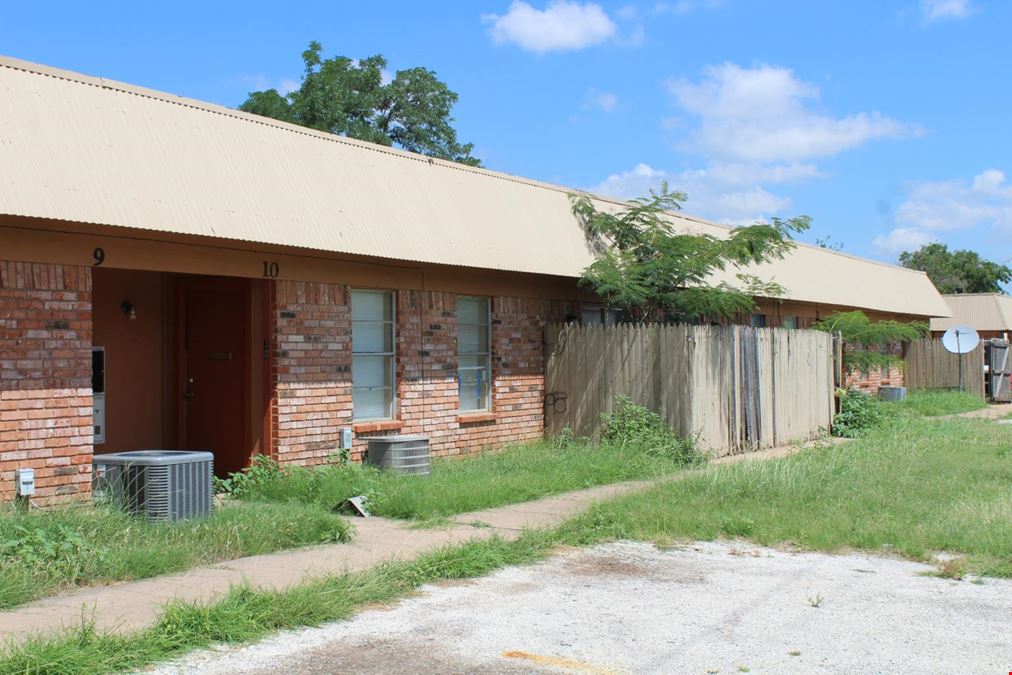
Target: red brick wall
(45,378)
(313,372)
(873,379)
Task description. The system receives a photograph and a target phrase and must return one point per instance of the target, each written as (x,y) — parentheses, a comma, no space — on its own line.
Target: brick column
(45,378)
(312,370)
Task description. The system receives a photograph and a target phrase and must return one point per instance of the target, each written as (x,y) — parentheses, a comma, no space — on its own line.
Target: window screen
(473,353)
(372,347)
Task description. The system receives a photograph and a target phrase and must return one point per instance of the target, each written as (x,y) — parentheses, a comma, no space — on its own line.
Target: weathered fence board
(735,388)
(930,366)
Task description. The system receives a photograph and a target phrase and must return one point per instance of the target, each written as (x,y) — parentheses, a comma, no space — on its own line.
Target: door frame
(182,286)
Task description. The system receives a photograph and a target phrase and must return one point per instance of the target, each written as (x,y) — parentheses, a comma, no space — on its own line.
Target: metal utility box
(24,482)
(403,454)
(892,393)
(98,393)
(156,484)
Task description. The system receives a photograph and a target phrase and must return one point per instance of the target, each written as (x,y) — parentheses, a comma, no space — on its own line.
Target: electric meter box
(24,482)
(98,393)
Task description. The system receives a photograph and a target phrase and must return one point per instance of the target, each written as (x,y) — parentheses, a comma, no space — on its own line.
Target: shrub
(859,413)
(632,425)
(262,471)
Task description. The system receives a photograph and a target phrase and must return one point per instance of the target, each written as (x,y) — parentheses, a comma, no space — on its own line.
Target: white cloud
(958,204)
(903,239)
(287,85)
(763,114)
(941,10)
(605,100)
(563,25)
(724,193)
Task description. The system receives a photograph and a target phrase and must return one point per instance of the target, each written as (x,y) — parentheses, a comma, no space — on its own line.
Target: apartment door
(214,318)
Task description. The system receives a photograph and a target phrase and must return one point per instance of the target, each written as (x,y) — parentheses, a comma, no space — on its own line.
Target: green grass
(935,402)
(44,552)
(912,487)
(245,615)
(517,474)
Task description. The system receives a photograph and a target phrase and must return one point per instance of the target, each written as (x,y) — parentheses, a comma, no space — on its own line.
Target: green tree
(957,271)
(348,97)
(866,341)
(652,272)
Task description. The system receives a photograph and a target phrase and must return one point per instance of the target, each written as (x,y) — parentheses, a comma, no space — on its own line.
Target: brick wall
(874,378)
(313,372)
(45,378)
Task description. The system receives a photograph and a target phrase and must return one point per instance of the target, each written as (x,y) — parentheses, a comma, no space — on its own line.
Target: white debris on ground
(629,607)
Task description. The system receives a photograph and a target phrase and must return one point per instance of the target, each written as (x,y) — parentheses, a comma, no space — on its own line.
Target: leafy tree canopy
(651,272)
(348,97)
(866,340)
(957,271)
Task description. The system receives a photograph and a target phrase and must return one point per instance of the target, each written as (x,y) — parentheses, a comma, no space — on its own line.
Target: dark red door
(214,373)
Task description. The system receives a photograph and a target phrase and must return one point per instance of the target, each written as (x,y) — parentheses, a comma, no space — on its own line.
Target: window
(372,354)
(595,315)
(758,321)
(474,353)
(789,322)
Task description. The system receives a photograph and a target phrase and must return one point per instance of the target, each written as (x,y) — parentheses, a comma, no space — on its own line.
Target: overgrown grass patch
(245,615)
(516,474)
(935,402)
(912,487)
(43,552)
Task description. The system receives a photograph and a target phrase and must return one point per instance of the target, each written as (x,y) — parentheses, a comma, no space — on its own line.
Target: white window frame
(391,355)
(487,354)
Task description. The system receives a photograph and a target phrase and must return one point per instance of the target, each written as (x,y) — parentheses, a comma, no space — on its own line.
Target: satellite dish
(960,340)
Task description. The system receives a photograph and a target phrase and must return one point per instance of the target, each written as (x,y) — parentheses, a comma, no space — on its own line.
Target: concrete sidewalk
(129,606)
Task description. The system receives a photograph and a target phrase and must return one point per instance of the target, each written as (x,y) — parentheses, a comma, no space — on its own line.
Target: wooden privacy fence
(735,388)
(929,366)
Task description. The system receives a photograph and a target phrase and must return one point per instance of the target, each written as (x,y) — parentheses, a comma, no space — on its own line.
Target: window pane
(758,320)
(470,362)
(372,306)
(471,339)
(789,322)
(370,371)
(472,310)
(473,389)
(591,316)
(367,336)
(372,403)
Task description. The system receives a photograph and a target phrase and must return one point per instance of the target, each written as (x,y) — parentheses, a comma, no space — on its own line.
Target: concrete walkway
(129,606)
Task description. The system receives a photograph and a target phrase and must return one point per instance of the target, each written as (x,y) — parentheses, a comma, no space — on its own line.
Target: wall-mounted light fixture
(129,309)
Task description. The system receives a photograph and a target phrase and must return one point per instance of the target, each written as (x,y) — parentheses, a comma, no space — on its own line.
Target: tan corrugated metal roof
(981,311)
(85,149)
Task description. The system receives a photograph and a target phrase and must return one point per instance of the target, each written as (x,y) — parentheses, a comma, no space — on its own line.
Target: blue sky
(887,122)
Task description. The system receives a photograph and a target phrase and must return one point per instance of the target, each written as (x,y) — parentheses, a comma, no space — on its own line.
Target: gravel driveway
(630,608)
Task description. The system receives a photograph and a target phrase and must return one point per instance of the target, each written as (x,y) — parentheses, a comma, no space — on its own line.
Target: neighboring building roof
(85,149)
(980,311)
